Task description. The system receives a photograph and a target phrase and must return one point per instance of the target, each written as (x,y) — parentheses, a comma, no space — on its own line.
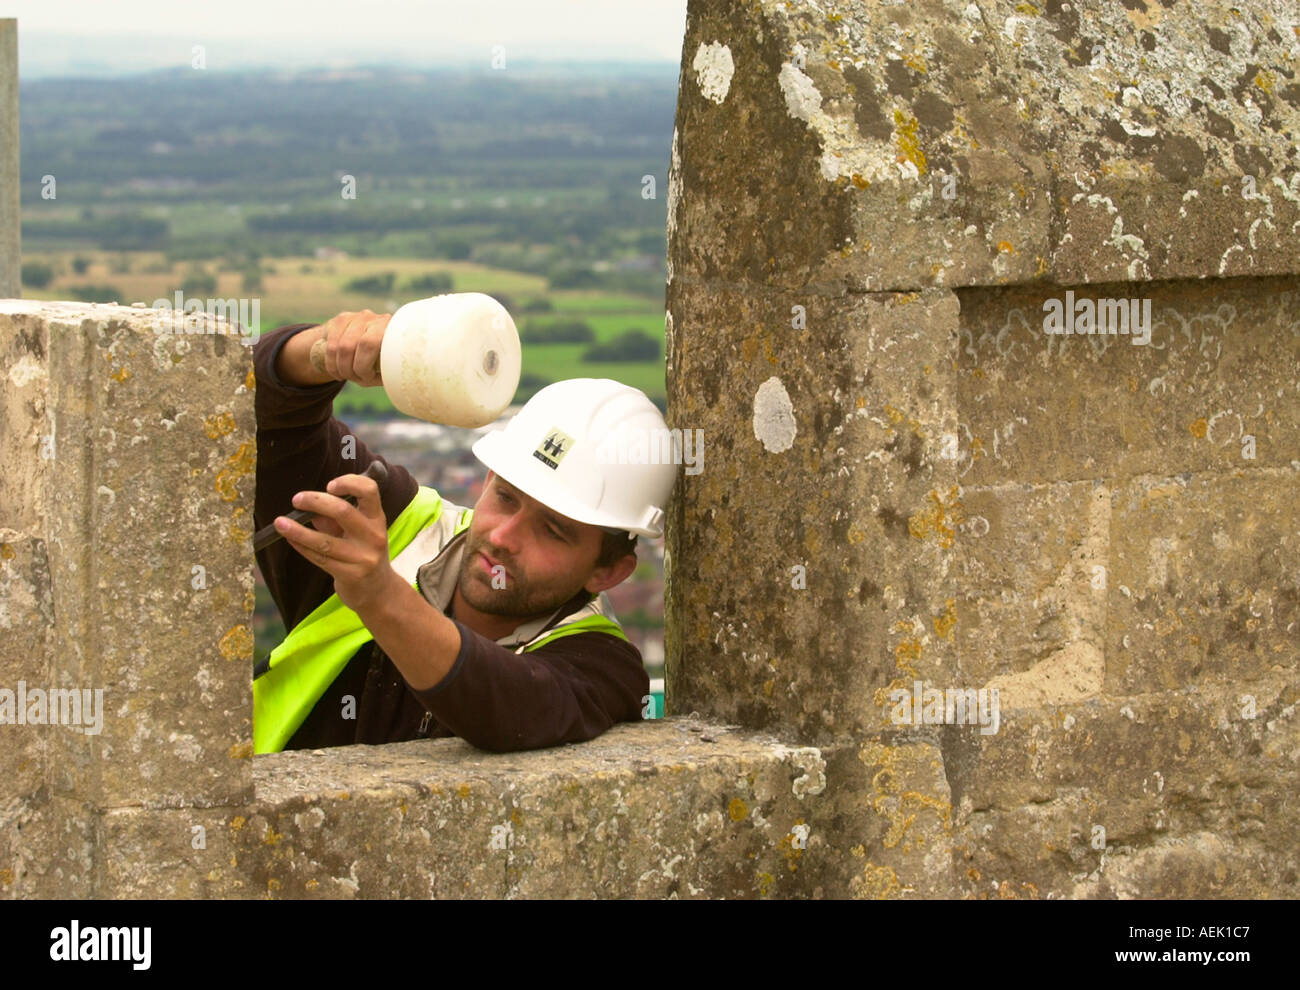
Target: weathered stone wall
(127,510)
(908,480)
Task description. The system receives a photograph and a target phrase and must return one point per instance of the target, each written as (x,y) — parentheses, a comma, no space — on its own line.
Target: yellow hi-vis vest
(303,667)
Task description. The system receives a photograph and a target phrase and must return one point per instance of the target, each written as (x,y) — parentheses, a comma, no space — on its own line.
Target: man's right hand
(352,344)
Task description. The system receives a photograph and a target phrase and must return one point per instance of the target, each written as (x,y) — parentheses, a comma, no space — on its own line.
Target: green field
(307,290)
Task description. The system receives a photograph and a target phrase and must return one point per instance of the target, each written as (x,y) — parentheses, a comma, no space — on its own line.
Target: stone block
(898,147)
(855,401)
(145,508)
(1215,389)
(670,808)
(1204,583)
(1147,771)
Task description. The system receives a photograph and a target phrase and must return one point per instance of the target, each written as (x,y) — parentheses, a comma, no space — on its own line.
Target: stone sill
(656,746)
(676,807)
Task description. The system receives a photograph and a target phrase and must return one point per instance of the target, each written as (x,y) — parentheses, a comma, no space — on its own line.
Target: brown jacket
(569,690)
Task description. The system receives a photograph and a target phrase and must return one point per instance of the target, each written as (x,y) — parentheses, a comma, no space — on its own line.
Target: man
(411,617)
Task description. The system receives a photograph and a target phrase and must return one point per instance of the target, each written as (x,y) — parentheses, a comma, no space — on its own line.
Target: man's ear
(616,573)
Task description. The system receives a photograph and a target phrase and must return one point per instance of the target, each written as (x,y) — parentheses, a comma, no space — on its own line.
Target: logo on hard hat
(553,447)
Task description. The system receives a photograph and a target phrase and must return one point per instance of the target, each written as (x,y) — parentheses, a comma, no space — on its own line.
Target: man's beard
(512,601)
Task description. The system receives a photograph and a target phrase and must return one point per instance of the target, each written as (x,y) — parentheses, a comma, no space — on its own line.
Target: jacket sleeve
(570,690)
(302,447)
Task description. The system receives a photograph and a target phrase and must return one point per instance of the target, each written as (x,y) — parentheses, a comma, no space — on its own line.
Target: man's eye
(557,535)
(503,496)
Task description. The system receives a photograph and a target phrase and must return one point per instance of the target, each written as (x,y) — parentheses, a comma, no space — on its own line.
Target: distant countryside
(327,191)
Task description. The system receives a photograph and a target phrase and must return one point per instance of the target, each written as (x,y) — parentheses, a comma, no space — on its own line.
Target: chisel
(267,535)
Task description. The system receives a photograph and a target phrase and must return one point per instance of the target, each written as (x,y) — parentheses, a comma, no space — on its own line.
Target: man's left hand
(349,542)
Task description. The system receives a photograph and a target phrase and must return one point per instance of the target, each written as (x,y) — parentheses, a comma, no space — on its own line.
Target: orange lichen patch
(916,62)
(463,790)
(238,533)
(897,416)
(1265,81)
(859,181)
(905,652)
(1199,428)
(240,464)
(877,883)
(272,837)
(856,535)
(7,551)
(944,624)
(893,804)
(241,751)
(250,381)
(218,425)
(237,823)
(765,882)
(120,375)
(237,644)
(909,149)
(737,809)
(938,519)
(516,816)
(1004,247)
(881,696)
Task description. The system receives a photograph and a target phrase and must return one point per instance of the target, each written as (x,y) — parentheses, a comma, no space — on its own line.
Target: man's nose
(507,534)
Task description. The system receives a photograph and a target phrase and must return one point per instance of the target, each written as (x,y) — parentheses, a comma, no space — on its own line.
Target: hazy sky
(328,31)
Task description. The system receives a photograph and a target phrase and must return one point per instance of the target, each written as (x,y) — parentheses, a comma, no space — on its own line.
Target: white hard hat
(592,449)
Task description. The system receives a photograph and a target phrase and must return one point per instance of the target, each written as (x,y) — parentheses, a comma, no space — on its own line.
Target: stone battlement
(915,487)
